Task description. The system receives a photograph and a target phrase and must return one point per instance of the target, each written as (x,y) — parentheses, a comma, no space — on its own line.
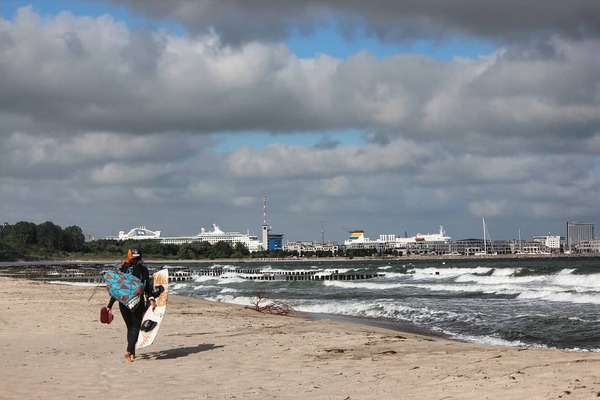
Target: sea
(517,302)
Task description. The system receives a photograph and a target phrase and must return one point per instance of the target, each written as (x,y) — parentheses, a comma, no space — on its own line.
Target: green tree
(221,250)
(195,250)
(240,250)
(169,250)
(23,234)
(50,236)
(74,239)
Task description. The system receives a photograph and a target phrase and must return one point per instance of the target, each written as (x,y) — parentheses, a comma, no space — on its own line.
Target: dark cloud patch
(327,143)
(142,52)
(238,21)
(379,138)
(74,44)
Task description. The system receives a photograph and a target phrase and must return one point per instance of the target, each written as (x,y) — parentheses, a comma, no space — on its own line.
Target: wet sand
(54,347)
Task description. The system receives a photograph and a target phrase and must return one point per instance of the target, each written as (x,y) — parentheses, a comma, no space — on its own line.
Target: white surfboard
(153,318)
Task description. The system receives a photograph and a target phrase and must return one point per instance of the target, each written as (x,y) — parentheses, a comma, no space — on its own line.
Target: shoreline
(403,327)
(54,347)
(69,261)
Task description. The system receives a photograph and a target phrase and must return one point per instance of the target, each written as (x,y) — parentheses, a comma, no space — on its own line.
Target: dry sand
(54,347)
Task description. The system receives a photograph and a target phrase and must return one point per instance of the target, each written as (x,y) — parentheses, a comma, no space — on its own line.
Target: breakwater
(93,273)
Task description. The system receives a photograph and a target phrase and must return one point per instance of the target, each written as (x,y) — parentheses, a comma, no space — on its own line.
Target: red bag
(106,316)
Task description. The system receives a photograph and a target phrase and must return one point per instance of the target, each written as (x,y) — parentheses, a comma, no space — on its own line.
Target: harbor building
(302,249)
(275,241)
(589,246)
(550,243)
(578,232)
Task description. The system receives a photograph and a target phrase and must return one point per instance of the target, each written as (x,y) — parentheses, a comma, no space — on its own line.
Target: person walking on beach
(133,318)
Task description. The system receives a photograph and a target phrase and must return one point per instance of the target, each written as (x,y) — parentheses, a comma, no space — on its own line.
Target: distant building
(578,232)
(275,241)
(138,233)
(304,248)
(550,243)
(589,246)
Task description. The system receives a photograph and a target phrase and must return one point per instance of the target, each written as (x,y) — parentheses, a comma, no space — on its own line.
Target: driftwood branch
(259,304)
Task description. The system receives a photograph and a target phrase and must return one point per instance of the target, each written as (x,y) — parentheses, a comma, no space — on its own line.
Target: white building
(311,247)
(138,233)
(549,242)
(589,246)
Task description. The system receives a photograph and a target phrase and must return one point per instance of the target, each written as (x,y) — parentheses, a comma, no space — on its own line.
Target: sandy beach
(54,347)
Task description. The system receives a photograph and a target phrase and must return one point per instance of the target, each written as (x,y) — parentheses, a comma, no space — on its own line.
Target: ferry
(358,237)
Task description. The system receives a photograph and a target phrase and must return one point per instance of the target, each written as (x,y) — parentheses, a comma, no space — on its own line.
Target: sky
(390,117)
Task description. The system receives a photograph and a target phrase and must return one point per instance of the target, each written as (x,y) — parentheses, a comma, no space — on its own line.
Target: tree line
(29,241)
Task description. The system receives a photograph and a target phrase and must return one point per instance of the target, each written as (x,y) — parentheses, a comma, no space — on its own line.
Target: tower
(265,228)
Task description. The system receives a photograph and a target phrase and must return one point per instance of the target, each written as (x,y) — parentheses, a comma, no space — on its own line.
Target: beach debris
(273,308)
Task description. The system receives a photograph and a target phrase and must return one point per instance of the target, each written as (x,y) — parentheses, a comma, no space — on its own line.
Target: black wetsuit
(133,319)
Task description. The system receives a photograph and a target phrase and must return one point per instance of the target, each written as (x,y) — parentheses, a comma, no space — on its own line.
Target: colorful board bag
(124,287)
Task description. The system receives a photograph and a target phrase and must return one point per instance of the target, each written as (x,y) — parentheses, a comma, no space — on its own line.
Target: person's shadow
(177,353)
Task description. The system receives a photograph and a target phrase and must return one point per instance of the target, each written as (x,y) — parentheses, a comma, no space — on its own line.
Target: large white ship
(357,239)
(439,237)
(213,236)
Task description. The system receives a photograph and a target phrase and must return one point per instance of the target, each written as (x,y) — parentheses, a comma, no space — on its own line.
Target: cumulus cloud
(285,162)
(122,81)
(96,116)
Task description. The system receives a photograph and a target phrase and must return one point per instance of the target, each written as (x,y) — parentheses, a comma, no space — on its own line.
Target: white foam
(177,286)
(564,297)
(499,279)
(443,273)
(493,341)
(564,278)
(363,285)
(228,298)
(86,284)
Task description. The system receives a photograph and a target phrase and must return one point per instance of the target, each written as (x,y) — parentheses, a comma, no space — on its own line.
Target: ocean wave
(557,296)
(491,341)
(177,286)
(427,273)
(204,278)
(571,280)
(358,285)
(499,279)
(388,310)
(227,298)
